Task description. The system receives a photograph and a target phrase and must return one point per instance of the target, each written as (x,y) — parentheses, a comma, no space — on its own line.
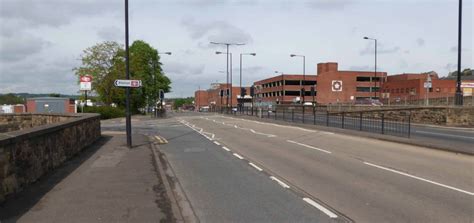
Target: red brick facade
(284,88)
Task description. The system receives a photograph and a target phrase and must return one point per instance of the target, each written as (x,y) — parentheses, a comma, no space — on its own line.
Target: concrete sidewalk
(106,183)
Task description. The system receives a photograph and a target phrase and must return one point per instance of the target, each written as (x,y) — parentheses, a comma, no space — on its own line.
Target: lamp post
(375,73)
(229,78)
(251,54)
(227,62)
(128,122)
(458,97)
(303,91)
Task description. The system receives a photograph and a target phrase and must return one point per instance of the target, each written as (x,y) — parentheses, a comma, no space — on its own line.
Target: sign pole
(128,122)
(85,104)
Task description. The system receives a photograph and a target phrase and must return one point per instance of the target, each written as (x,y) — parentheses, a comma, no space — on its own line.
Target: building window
(309,82)
(292,93)
(288,82)
(363,79)
(375,89)
(375,79)
(363,89)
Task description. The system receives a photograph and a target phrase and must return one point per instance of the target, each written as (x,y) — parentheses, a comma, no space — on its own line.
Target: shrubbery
(106,112)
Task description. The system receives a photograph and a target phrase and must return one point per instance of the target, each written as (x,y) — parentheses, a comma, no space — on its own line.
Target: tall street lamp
(375,73)
(229,78)
(303,91)
(458,97)
(251,54)
(227,53)
(154,82)
(128,121)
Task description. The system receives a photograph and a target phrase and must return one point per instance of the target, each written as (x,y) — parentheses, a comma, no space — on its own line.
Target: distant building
(201,99)
(216,96)
(284,89)
(336,86)
(51,105)
(19,108)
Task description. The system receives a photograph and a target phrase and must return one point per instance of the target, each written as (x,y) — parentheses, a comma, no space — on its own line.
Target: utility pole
(128,122)
(458,97)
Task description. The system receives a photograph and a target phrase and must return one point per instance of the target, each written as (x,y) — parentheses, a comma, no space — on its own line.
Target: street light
(154,82)
(128,120)
(229,77)
(375,73)
(458,97)
(227,53)
(303,91)
(251,54)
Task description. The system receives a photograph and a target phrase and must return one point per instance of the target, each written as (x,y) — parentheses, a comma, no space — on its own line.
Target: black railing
(396,123)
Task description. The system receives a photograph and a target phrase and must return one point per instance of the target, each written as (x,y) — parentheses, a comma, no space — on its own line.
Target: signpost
(85,84)
(128,83)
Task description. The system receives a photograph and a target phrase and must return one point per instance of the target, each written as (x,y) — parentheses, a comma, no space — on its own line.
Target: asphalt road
(461,138)
(366,180)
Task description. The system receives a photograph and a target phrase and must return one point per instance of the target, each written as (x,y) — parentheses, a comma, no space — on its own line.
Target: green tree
(98,61)
(11,99)
(178,102)
(105,62)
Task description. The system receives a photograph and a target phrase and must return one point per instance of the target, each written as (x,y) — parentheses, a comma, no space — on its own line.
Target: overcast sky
(42,40)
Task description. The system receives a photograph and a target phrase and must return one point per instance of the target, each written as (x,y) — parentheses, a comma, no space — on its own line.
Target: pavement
(107,182)
(362,179)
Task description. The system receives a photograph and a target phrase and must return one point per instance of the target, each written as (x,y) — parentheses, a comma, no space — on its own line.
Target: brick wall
(28,154)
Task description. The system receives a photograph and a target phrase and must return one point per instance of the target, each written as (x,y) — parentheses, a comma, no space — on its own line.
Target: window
(375,89)
(309,83)
(363,79)
(288,82)
(363,89)
(375,79)
(292,93)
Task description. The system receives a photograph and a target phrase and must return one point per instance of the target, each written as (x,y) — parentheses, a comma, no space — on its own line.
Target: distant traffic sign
(128,83)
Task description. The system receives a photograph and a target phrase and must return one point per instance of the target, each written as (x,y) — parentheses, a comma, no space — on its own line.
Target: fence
(390,123)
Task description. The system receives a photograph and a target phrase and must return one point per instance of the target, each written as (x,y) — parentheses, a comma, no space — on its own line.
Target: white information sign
(336,85)
(128,83)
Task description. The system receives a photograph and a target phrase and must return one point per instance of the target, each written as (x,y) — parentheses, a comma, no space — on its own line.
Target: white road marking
(444,134)
(226,149)
(321,208)
(280,182)
(217,143)
(238,156)
(308,146)
(256,167)
(419,178)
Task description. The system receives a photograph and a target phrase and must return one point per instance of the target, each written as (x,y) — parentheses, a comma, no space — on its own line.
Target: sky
(41,41)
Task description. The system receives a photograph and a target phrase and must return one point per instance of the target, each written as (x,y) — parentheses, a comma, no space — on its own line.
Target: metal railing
(383,122)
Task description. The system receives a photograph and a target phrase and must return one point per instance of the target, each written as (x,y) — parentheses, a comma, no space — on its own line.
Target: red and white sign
(336,85)
(85,83)
(467,84)
(128,83)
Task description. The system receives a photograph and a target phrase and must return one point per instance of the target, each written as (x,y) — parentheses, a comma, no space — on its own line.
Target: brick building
(201,99)
(213,99)
(284,89)
(410,86)
(336,86)
(51,105)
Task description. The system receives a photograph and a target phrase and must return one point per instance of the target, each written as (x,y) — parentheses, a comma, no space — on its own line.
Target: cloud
(361,68)
(218,31)
(329,4)
(381,49)
(182,69)
(19,46)
(110,33)
(54,12)
(420,42)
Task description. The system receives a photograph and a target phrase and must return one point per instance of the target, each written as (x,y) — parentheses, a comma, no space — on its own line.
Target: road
(366,180)
(460,138)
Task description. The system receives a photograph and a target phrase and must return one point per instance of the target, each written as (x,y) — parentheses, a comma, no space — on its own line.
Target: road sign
(85,83)
(128,83)
(427,85)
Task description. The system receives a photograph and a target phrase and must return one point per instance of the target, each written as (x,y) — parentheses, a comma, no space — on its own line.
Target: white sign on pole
(427,85)
(128,83)
(85,83)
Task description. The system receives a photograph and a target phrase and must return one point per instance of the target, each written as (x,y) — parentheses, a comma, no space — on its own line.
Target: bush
(106,112)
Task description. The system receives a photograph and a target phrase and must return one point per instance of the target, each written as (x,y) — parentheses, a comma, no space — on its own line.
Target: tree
(11,99)
(105,62)
(98,62)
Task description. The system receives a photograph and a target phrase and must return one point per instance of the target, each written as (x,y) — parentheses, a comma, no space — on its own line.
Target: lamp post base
(458,98)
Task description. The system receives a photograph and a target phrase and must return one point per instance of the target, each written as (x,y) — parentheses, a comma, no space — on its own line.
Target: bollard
(327,118)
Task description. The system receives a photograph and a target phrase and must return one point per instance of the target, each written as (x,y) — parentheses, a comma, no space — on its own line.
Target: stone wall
(28,154)
(19,121)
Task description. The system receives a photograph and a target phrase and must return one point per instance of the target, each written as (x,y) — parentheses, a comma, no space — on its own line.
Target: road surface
(364,179)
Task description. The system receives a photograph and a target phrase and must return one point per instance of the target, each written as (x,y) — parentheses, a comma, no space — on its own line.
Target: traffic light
(162,94)
(313,92)
(252,91)
(302,92)
(228,91)
(243,92)
(221,93)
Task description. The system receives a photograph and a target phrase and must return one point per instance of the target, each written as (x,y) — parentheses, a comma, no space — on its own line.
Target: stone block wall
(14,122)
(28,154)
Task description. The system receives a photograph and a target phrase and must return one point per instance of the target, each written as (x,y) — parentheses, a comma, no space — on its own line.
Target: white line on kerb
(238,156)
(217,143)
(226,149)
(308,146)
(256,167)
(419,178)
(279,182)
(321,208)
